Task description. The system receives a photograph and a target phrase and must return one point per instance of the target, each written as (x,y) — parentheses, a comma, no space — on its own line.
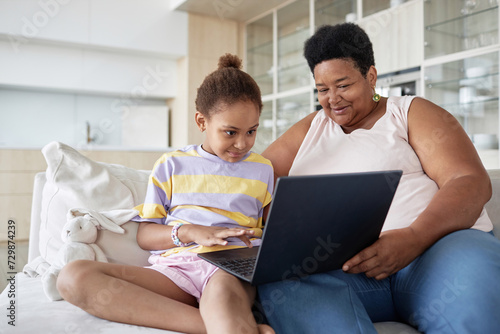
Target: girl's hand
(393,251)
(213,235)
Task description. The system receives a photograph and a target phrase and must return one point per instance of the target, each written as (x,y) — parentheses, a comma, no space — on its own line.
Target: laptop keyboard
(243,267)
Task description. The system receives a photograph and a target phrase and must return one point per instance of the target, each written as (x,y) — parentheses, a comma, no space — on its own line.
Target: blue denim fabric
(452,288)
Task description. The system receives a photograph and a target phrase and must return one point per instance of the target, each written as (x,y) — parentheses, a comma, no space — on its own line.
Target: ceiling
(238,10)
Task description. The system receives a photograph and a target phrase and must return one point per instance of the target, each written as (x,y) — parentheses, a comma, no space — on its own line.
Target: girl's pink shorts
(186,270)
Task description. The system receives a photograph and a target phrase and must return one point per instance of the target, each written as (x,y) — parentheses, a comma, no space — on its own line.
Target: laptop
(315,224)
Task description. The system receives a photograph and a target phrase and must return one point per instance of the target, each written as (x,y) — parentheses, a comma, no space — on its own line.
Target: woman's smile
(339,110)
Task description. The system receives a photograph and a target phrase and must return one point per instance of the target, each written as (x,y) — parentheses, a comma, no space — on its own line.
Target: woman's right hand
(213,235)
(393,251)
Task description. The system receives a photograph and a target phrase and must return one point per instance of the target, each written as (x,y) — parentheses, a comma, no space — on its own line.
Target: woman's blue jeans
(454,287)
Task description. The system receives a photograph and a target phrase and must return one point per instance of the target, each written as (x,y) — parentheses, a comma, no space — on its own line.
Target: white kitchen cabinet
(274,51)
(453,26)
(461,68)
(90,60)
(397,36)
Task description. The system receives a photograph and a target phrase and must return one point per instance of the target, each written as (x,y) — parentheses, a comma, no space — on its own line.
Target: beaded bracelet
(175,237)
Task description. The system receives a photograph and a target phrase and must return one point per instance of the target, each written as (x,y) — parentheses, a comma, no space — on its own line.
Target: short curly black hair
(341,41)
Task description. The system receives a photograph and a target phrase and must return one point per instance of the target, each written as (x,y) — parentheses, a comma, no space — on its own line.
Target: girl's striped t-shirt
(193,186)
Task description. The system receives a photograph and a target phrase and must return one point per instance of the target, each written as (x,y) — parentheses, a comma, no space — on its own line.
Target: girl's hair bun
(230,60)
(227,85)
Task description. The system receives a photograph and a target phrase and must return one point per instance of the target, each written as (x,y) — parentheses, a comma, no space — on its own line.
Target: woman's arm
(283,150)
(449,158)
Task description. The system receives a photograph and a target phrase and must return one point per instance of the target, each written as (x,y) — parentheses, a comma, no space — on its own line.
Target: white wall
(66,61)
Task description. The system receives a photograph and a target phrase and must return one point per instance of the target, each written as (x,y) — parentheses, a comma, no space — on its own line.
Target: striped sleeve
(268,177)
(158,195)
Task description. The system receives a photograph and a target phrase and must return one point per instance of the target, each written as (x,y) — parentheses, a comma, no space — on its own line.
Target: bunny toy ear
(104,222)
(120,217)
(73,213)
(98,219)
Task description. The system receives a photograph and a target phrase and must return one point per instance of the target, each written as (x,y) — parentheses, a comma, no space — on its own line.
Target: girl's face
(343,92)
(231,130)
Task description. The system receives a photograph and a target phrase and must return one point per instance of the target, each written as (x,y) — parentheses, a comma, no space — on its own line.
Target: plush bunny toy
(79,235)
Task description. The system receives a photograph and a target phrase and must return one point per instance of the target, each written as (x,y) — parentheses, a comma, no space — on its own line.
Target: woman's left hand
(393,251)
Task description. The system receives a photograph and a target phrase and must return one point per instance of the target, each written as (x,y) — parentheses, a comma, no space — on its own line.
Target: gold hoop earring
(376,97)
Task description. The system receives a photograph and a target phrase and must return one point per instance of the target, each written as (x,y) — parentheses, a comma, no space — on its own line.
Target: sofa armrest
(493,206)
(36,207)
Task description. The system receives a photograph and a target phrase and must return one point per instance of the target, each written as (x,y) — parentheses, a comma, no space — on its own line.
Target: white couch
(71,180)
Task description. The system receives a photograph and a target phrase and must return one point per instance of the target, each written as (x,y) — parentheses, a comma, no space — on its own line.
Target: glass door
(266,130)
(260,53)
(334,12)
(468,88)
(290,110)
(453,26)
(293,30)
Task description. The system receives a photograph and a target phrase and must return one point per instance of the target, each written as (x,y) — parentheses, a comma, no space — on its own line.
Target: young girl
(199,198)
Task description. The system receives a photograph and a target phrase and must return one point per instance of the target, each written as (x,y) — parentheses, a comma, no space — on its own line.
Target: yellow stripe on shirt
(219,184)
(149,210)
(254,157)
(199,249)
(238,217)
(166,186)
(166,156)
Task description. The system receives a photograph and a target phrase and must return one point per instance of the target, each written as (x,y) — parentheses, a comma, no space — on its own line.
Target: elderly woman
(436,264)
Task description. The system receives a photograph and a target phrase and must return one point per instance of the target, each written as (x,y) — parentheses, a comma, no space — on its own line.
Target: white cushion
(75,181)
